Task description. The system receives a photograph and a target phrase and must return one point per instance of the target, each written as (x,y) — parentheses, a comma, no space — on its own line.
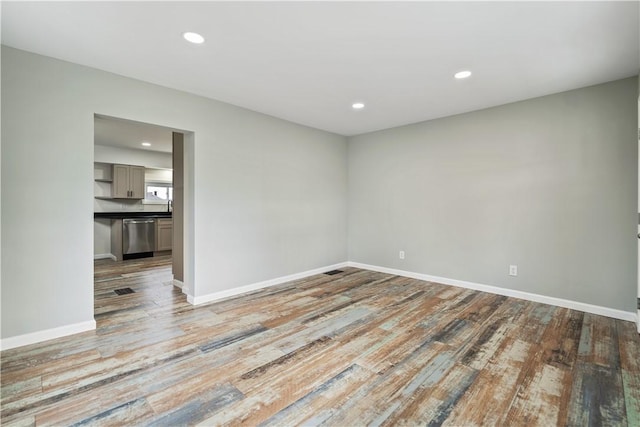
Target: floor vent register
(333,272)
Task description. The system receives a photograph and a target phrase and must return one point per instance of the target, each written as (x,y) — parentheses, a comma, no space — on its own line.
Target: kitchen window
(158,192)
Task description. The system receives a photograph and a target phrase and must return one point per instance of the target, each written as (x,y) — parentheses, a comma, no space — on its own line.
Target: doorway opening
(139,209)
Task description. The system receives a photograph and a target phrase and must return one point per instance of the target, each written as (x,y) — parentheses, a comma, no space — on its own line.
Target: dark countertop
(138,214)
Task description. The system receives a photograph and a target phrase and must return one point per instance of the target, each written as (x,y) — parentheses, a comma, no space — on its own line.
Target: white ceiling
(307,62)
(127,134)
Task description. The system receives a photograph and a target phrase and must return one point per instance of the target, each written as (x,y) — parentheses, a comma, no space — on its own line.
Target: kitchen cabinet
(164,234)
(128,182)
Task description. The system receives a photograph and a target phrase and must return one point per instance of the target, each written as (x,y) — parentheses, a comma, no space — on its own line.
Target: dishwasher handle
(139,221)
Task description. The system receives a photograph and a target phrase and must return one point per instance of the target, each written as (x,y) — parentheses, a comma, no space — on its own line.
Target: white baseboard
(47,334)
(178,284)
(62,331)
(104,256)
(574,305)
(260,285)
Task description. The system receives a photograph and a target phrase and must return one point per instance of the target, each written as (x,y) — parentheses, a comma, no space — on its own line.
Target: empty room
(320,213)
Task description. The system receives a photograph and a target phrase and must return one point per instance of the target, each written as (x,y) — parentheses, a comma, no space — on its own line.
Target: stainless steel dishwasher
(138,237)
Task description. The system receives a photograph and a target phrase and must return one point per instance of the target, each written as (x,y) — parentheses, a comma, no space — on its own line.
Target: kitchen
(133,189)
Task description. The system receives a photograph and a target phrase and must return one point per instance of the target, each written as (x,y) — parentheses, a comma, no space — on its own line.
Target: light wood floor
(356,348)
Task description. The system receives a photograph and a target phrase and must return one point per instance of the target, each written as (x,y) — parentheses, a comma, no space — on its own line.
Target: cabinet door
(164,235)
(120,185)
(136,182)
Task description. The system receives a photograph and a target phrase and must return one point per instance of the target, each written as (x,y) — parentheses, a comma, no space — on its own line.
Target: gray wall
(269,196)
(548,184)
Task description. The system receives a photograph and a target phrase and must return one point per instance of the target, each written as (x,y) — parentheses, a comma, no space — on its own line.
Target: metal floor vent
(124,291)
(332,272)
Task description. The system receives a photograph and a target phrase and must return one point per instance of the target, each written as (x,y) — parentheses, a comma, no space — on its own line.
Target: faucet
(169,205)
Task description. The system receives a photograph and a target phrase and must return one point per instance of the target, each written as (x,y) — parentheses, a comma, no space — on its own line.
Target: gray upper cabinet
(128,182)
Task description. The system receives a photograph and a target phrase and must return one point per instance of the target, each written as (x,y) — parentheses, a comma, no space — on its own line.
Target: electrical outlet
(513,270)
(401,255)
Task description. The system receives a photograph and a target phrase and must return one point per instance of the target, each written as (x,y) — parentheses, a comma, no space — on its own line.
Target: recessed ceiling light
(462,74)
(146,144)
(357,106)
(193,37)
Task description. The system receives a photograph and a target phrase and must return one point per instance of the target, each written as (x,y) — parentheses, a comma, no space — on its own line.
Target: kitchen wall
(127,156)
(148,159)
(548,184)
(108,155)
(266,198)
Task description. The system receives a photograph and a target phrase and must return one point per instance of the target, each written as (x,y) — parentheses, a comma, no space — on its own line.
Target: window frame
(148,184)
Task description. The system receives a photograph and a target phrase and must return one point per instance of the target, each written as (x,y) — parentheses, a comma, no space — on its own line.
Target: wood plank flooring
(351,349)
